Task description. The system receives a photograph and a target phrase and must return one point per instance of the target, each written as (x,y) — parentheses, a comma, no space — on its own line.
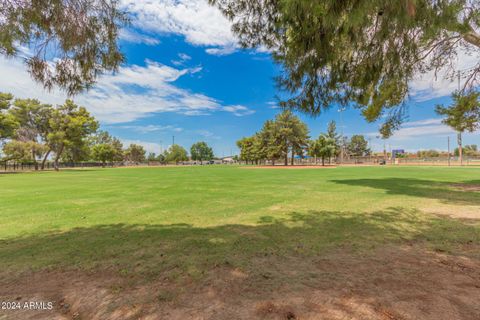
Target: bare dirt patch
(394,283)
(467,187)
(464,213)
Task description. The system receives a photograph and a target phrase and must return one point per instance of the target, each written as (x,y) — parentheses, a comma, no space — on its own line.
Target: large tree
(29,115)
(293,134)
(69,125)
(469,150)
(246,146)
(324,147)
(135,153)
(358,146)
(176,153)
(269,141)
(201,151)
(103,152)
(360,52)
(111,149)
(8,124)
(71,42)
(463,115)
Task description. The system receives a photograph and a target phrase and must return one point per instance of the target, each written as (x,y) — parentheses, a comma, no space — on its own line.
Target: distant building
(228,160)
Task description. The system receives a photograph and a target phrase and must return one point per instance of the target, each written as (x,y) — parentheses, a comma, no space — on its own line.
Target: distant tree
(246,146)
(268,142)
(463,115)
(135,153)
(428,153)
(151,157)
(176,153)
(358,146)
(324,147)
(293,134)
(103,152)
(103,137)
(72,42)
(8,123)
(69,125)
(468,150)
(161,158)
(77,152)
(201,151)
(21,151)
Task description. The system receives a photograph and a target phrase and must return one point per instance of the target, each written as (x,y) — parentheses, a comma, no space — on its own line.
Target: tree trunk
(286,158)
(57,157)
(34,159)
(460,148)
(45,159)
(293,156)
(323,161)
(273,162)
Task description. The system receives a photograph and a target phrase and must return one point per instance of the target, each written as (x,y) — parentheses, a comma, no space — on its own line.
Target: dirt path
(392,283)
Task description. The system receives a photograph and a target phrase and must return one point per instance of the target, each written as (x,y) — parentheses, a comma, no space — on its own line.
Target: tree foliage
(464,114)
(201,151)
(176,153)
(277,138)
(360,52)
(72,42)
(358,146)
(8,124)
(325,147)
(468,150)
(70,125)
(110,150)
(135,153)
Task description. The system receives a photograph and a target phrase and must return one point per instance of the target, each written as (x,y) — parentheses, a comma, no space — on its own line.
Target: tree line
(35,132)
(287,136)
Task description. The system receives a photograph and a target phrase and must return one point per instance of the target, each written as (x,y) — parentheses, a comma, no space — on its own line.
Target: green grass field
(103,218)
(185,221)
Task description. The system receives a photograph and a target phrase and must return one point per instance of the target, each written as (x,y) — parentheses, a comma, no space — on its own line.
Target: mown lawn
(185,220)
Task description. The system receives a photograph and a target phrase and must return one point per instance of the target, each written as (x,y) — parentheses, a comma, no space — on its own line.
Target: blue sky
(186,77)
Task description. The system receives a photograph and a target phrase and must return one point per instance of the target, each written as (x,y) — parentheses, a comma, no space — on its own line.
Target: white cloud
(429,86)
(182,59)
(200,23)
(424,122)
(205,133)
(273,105)
(419,129)
(132,93)
(221,51)
(151,128)
(135,37)
(239,111)
(184,56)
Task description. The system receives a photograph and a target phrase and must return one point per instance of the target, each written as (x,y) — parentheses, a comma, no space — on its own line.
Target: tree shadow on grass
(276,255)
(446,192)
(150,249)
